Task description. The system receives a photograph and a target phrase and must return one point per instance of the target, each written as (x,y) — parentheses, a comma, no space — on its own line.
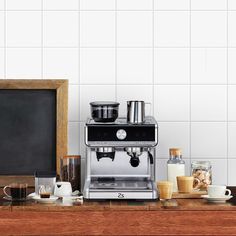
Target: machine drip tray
(114,184)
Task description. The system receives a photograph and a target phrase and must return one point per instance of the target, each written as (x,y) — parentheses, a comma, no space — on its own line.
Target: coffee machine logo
(121,195)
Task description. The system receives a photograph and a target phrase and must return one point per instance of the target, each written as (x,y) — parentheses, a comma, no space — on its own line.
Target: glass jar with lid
(202,173)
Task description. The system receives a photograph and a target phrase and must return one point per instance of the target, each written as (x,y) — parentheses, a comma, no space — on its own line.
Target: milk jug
(175,167)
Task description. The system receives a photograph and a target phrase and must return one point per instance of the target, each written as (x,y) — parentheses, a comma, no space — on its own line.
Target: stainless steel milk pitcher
(135,112)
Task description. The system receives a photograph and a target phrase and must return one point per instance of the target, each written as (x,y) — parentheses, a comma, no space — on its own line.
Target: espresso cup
(218,191)
(165,189)
(185,184)
(16,191)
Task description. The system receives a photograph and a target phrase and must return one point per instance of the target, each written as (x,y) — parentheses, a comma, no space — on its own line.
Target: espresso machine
(120,159)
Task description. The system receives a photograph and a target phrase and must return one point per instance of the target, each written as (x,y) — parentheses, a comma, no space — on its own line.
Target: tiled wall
(179,55)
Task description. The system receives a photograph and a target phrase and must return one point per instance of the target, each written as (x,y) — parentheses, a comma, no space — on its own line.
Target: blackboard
(27,131)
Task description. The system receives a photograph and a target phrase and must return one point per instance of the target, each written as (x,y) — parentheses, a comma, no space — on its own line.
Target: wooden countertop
(181,217)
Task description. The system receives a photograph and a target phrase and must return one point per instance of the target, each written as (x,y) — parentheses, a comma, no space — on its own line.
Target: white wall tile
(60,4)
(231,4)
(60,29)
(23,29)
(97,29)
(231,29)
(173,135)
(232,140)
(90,93)
(74,138)
(209,66)
(134,4)
(134,92)
(209,140)
(171,66)
(23,5)
(232,172)
(231,103)
(134,66)
(97,66)
(219,170)
(231,66)
(209,4)
(134,29)
(23,63)
(171,5)
(171,29)
(2,5)
(97,4)
(209,103)
(209,29)
(61,63)
(172,102)
(2,63)
(2,35)
(73,109)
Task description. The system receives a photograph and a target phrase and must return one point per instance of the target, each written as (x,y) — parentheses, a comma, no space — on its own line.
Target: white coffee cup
(218,191)
(63,189)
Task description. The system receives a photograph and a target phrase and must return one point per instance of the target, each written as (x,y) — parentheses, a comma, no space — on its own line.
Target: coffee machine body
(120,160)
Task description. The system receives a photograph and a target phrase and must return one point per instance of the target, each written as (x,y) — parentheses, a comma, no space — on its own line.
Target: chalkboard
(27,131)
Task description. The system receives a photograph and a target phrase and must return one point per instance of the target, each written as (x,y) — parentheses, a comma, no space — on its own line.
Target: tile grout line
(227,99)
(190,83)
(5,40)
(116,50)
(79,86)
(153,57)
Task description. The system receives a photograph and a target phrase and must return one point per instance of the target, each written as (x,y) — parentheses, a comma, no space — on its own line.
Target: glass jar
(175,166)
(202,173)
(70,170)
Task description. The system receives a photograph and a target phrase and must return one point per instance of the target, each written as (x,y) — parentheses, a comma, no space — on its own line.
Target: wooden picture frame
(61,88)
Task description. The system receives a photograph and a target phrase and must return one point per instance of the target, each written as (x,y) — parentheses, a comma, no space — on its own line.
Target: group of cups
(18,191)
(185,185)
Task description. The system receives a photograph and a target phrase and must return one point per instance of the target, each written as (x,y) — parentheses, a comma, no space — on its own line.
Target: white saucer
(217,199)
(45,200)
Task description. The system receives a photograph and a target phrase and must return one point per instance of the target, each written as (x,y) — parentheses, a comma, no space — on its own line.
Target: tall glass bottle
(175,167)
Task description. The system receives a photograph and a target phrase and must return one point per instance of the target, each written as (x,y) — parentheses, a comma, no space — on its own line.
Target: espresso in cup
(185,184)
(165,189)
(16,191)
(218,191)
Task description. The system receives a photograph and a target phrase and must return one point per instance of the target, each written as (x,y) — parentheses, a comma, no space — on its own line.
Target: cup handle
(196,181)
(228,191)
(150,110)
(5,192)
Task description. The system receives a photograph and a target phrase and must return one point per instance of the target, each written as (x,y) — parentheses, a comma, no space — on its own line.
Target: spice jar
(202,173)
(70,170)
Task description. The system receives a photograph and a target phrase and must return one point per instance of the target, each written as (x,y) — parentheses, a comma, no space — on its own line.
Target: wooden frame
(61,87)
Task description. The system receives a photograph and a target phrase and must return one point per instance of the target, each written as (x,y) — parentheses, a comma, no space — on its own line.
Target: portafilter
(134,153)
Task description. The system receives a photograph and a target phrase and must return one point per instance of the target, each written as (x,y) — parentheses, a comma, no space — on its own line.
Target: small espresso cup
(185,184)
(218,191)
(165,189)
(16,191)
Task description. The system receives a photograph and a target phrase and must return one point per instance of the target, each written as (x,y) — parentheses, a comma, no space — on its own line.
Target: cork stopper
(175,152)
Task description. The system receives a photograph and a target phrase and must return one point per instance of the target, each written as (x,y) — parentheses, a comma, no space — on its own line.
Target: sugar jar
(202,173)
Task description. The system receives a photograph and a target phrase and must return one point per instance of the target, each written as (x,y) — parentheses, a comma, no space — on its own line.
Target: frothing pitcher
(136,112)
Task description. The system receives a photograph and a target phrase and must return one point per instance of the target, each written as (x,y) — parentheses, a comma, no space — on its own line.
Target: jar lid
(104,103)
(201,164)
(175,151)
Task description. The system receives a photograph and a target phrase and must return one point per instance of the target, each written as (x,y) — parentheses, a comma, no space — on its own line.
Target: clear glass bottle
(202,173)
(175,167)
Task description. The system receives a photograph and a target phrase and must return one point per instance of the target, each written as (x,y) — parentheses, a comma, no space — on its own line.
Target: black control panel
(146,133)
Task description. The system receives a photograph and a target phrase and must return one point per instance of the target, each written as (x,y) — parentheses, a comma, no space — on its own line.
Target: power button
(121,134)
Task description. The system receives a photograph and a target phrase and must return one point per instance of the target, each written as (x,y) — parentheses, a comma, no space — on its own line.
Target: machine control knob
(121,134)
